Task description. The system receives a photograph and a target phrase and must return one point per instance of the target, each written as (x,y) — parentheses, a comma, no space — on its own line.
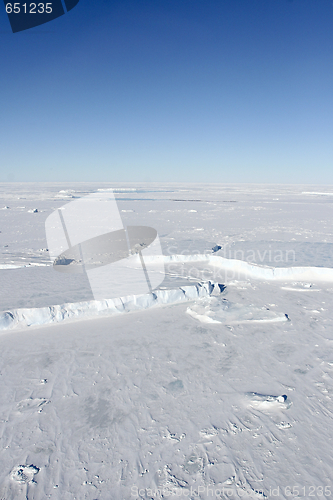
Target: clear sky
(170,90)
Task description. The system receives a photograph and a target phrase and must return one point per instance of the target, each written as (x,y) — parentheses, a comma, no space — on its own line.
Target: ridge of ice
(304,273)
(26,317)
(251,270)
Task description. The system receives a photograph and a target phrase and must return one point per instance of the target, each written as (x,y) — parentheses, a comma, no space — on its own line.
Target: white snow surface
(214,392)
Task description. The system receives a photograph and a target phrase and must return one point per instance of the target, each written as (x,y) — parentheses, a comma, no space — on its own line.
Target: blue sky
(170,91)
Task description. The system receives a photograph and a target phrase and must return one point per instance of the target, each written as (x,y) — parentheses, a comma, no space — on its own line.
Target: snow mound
(66,193)
(108,307)
(264,402)
(24,474)
(220,310)
(31,404)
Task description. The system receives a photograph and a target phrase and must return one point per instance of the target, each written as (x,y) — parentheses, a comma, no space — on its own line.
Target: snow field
(232,401)
(164,402)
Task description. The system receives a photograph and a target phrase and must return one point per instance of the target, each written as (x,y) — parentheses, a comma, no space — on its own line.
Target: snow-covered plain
(200,391)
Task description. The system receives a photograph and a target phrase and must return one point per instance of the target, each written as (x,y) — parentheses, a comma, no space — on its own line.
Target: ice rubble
(24,474)
(108,307)
(220,310)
